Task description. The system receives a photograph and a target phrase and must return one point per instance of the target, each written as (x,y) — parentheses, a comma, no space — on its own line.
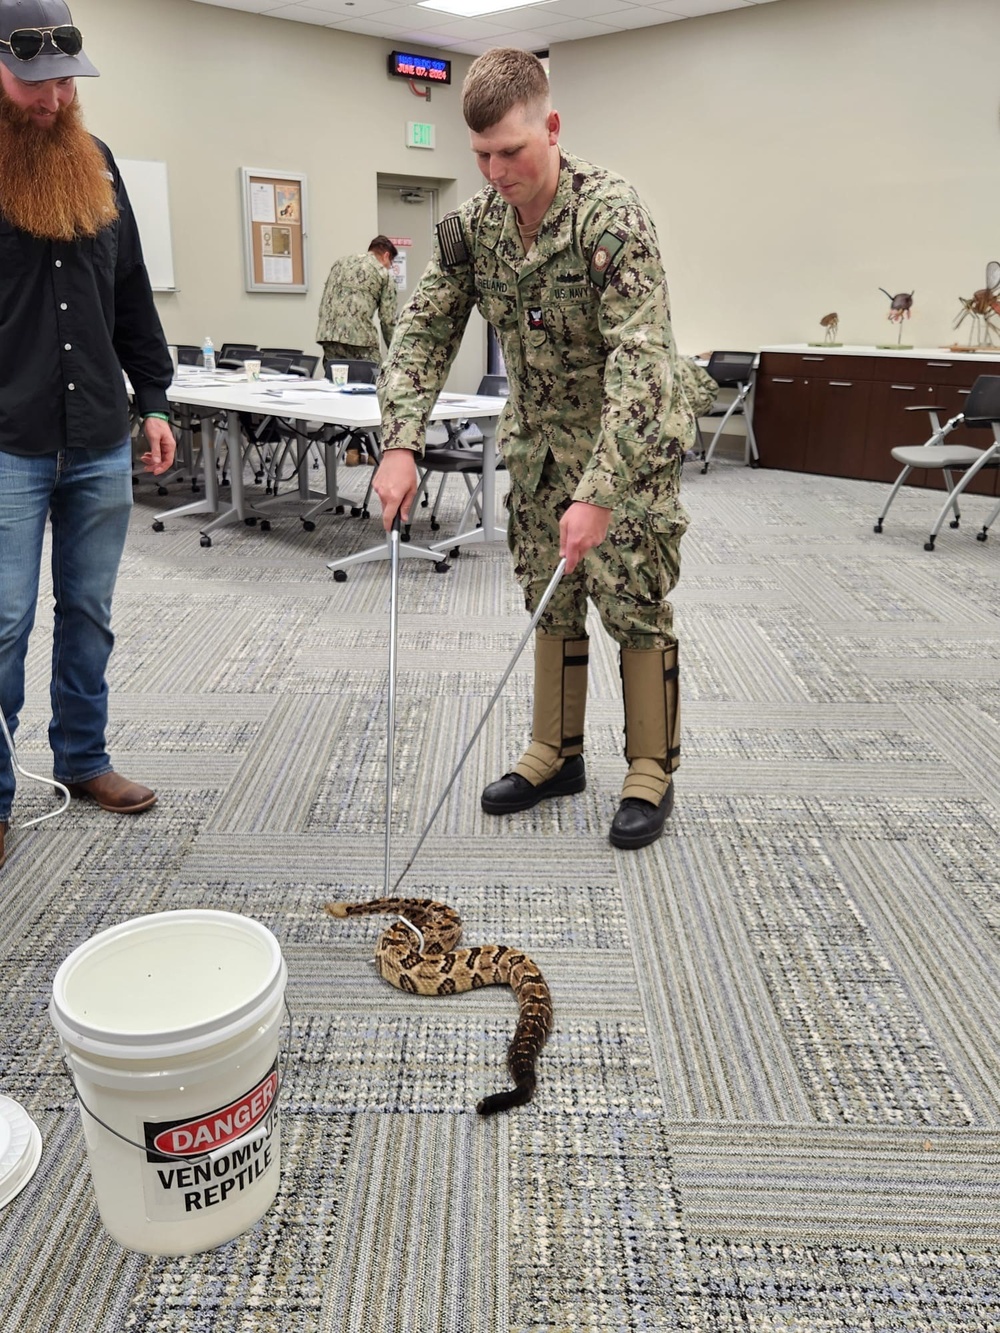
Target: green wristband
(160,416)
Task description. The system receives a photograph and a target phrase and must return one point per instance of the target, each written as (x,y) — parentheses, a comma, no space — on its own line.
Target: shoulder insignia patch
(603,259)
(451,241)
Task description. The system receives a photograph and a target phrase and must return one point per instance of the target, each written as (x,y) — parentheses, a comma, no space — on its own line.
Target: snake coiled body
(441,969)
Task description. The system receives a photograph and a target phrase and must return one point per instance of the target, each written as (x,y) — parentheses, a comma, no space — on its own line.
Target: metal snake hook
(35,777)
(416,930)
(394,535)
(546,598)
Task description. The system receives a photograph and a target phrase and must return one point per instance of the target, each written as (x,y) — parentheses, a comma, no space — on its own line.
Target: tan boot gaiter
(652,721)
(560,706)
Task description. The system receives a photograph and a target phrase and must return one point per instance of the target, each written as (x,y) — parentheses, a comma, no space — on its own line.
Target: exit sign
(419,134)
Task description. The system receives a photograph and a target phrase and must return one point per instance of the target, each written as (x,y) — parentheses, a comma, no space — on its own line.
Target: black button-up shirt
(72,316)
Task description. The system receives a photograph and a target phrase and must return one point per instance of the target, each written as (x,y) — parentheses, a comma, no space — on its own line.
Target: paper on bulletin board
(399,270)
(278,269)
(262,202)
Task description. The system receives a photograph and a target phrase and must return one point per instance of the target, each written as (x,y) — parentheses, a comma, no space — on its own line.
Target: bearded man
(76,309)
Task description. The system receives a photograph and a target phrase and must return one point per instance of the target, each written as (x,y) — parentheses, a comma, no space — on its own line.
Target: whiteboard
(146,183)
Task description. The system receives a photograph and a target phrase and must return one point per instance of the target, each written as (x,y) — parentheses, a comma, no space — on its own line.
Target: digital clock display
(405,65)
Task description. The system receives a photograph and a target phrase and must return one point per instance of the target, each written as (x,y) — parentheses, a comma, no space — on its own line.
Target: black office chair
(730,370)
(461,455)
(494,386)
(188,354)
(358,372)
(237,352)
(295,352)
(304,366)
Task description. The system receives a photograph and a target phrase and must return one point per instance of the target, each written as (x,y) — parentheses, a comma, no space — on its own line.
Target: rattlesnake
(440,969)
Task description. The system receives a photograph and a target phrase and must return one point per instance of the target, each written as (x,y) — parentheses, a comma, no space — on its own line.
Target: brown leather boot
(113,792)
(3,835)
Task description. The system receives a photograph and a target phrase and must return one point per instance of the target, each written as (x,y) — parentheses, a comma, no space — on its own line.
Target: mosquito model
(982,307)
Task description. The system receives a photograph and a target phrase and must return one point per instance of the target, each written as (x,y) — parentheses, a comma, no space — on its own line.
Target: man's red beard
(53,181)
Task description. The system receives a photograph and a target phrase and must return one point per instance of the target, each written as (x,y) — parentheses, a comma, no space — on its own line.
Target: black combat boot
(553,764)
(652,745)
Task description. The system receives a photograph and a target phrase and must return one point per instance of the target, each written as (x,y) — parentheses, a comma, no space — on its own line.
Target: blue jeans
(88,493)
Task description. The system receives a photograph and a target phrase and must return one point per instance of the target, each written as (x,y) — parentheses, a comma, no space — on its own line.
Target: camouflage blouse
(584,323)
(358,286)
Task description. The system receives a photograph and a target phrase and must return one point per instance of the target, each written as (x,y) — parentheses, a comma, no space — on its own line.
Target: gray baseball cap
(51,62)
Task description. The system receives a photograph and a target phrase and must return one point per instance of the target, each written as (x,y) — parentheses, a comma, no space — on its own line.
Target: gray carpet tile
(771,1097)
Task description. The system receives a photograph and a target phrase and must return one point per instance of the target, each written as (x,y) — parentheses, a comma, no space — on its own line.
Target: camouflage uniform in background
(700,389)
(596,410)
(357,288)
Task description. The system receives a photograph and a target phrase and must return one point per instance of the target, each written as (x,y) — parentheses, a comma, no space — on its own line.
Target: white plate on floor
(20,1149)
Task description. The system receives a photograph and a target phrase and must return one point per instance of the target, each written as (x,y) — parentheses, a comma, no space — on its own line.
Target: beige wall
(799,155)
(210,90)
(796,156)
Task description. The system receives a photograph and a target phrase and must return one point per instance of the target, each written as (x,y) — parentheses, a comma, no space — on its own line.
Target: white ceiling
(534,28)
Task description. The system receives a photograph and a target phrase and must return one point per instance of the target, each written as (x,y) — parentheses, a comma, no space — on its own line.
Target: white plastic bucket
(170,1025)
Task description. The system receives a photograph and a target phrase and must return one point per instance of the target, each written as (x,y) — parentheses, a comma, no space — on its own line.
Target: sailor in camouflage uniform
(358,288)
(562,259)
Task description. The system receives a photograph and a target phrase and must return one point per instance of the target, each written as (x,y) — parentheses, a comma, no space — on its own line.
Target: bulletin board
(274,230)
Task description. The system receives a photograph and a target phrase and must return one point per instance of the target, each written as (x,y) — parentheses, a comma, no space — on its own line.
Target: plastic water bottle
(208,354)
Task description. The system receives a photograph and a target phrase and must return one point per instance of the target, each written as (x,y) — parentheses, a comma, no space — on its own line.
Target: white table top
(919,353)
(308,400)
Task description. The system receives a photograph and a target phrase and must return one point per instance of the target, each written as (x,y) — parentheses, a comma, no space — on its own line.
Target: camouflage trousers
(350,352)
(628,577)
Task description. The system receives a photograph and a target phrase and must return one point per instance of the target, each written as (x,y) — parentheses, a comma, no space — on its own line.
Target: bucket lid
(20,1149)
(167,984)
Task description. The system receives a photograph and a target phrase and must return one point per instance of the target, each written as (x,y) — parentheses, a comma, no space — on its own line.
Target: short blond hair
(499,81)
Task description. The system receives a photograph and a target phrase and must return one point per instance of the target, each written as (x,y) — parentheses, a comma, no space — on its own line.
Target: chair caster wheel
(340,576)
(205,541)
(455,552)
(404,535)
(435,525)
(981,536)
(338,509)
(953,523)
(877,528)
(423,503)
(366,513)
(704,469)
(194,488)
(929,546)
(355,511)
(308,525)
(157,526)
(265,525)
(441,566)
(258,477)
(162,490)
(250,521)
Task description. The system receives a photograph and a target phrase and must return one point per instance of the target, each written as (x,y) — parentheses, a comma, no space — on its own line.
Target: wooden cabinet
(841,414)
(838,411)
(781,416)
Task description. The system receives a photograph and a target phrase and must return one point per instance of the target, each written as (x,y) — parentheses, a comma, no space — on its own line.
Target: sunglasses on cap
(27,43)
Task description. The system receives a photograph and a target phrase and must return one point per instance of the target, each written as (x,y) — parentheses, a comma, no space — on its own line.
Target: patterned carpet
(772,1098)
